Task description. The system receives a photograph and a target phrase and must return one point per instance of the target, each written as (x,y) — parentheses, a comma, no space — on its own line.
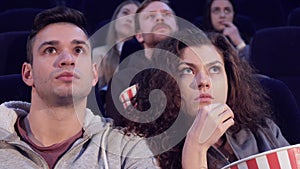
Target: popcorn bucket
(281,158)
(127,94)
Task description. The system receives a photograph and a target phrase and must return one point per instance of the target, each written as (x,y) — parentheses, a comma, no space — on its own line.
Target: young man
(57,130)
(155,20)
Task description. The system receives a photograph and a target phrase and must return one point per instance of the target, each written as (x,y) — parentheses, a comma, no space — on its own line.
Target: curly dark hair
(245,96)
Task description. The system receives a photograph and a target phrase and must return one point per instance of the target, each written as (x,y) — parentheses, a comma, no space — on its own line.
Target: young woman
(220,16)
(211,95)
(120,29)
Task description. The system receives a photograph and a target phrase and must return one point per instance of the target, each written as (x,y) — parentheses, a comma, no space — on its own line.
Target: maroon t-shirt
(51,153)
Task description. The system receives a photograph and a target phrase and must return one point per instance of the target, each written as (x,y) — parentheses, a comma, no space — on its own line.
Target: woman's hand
(232,32)
(209,125)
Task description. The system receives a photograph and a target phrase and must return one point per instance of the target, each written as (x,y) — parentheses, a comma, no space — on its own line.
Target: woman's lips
(204,98)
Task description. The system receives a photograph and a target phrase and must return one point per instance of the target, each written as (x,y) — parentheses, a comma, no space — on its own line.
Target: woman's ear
(27,74)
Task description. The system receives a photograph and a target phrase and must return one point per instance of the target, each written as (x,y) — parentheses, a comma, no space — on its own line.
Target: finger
(226,116)
(196,126)
(228,123)
(215,110)
(228,24)
(227,113)
(204,113)
(212,122)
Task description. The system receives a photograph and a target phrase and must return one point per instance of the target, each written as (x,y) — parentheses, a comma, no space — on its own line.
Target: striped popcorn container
(281,158)
(127,94)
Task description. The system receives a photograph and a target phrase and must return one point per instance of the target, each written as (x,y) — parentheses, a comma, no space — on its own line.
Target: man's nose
(66,59)
(159,17)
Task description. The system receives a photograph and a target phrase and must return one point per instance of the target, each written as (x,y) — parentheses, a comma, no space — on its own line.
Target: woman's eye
(227,11)
(50,50)
(187,71)
(214,69)
(215,11)
(125,13)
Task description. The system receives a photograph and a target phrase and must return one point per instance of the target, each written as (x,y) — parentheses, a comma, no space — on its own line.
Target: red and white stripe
(284,159)
(127,94)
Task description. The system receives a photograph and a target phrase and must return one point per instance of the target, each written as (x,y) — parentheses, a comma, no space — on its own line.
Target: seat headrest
(276,51)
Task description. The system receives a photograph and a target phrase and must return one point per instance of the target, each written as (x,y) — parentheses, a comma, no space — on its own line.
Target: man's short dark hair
(54,15)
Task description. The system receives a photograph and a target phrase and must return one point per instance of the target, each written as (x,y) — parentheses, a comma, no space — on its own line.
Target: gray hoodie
(100,147)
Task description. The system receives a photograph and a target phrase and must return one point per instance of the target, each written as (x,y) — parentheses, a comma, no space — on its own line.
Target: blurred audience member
(154,22)
(121,28)
(219,16)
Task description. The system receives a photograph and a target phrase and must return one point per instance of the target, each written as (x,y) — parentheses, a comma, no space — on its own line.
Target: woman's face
(124,24)
(202,79)
(221,11)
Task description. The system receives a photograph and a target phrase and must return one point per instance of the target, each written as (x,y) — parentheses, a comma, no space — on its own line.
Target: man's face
(62,69)
(156,22)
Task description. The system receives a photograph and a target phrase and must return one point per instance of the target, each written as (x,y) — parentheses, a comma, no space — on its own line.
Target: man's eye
(79,50)
(150,16)
(167,14)
(50,50)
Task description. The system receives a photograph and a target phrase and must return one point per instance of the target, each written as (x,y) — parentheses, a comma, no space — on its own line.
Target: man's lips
(160,26)
(67,76)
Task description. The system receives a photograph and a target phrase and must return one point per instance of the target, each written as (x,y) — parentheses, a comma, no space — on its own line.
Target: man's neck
(148,52)
(48,125)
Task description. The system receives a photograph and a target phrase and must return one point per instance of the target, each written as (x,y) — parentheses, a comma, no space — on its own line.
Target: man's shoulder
(130,46)
(9,112)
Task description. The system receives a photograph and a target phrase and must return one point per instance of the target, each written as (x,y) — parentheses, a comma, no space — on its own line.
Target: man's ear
(27,74)
(95,74)
(139,37)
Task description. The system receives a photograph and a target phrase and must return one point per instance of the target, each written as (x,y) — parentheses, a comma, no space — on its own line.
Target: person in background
(57,130)
(219,16)
(121,28)
(213,93)
(155,21)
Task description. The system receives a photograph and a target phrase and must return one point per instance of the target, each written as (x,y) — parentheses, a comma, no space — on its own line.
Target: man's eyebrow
(80,42)
(54,42)
(161,11)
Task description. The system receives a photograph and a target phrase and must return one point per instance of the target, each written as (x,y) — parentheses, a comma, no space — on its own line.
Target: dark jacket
(246,143)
